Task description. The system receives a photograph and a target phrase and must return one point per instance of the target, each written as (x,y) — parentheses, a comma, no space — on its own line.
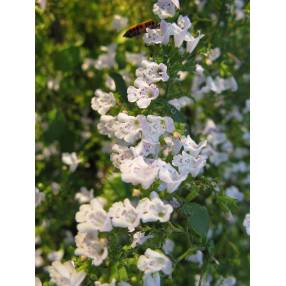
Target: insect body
(140,28)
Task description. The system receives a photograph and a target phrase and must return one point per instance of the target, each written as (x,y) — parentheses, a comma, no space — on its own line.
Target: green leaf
(123,275)
(121,87)
(197,218)
(192,195)
(67,59)
(59,130)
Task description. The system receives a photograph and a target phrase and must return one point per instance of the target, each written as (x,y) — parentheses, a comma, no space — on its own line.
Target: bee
(139,29)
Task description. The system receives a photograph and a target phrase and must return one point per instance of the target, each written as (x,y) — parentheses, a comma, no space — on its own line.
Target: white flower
(55,187)
(184,22)
(231,84)
(200,4)
(65,274)
(106,125)
(239,12)
(153,36)
(180,102)
(71,160)
(169,177)
(43,4)
(127,128)
(102,101)
(152,279)
(180,35)
(84,195)
(218,138)
(119,22)
(93,217)
(152,72)
(159,36)
(192,42)
(210,127)
(180,32)
(229,281)
(186,164)
(230,217)
(154,210)
(153,261)
(219,147)
(173,145)
(166,8)
(39,261)
(123,127)
(38,282)
(196,258)
(135,58)
(53,84)
(137,171)
(124,215)
(182,75)
(39,197)
(56,255)
(146,149)
(120,153)
(213,55)
(88,244)
(234,193)
(206,280)
(218,85)
(168,246)
(198,89)
(110,83)
(246,223)
(191,146)
(142,93)
(154,126)
(139,237)
(106,60)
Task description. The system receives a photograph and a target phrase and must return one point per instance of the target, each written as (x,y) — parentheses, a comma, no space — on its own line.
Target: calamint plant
(173,177)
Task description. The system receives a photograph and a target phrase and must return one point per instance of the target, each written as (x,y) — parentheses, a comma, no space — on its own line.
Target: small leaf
(120,85)
(197,218)
(123,275)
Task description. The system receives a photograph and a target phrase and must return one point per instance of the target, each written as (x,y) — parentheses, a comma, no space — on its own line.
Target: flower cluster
(65,274)
(141,165)
(93,219)
(145,89)
(204,84)
(179,31)
(219,147)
